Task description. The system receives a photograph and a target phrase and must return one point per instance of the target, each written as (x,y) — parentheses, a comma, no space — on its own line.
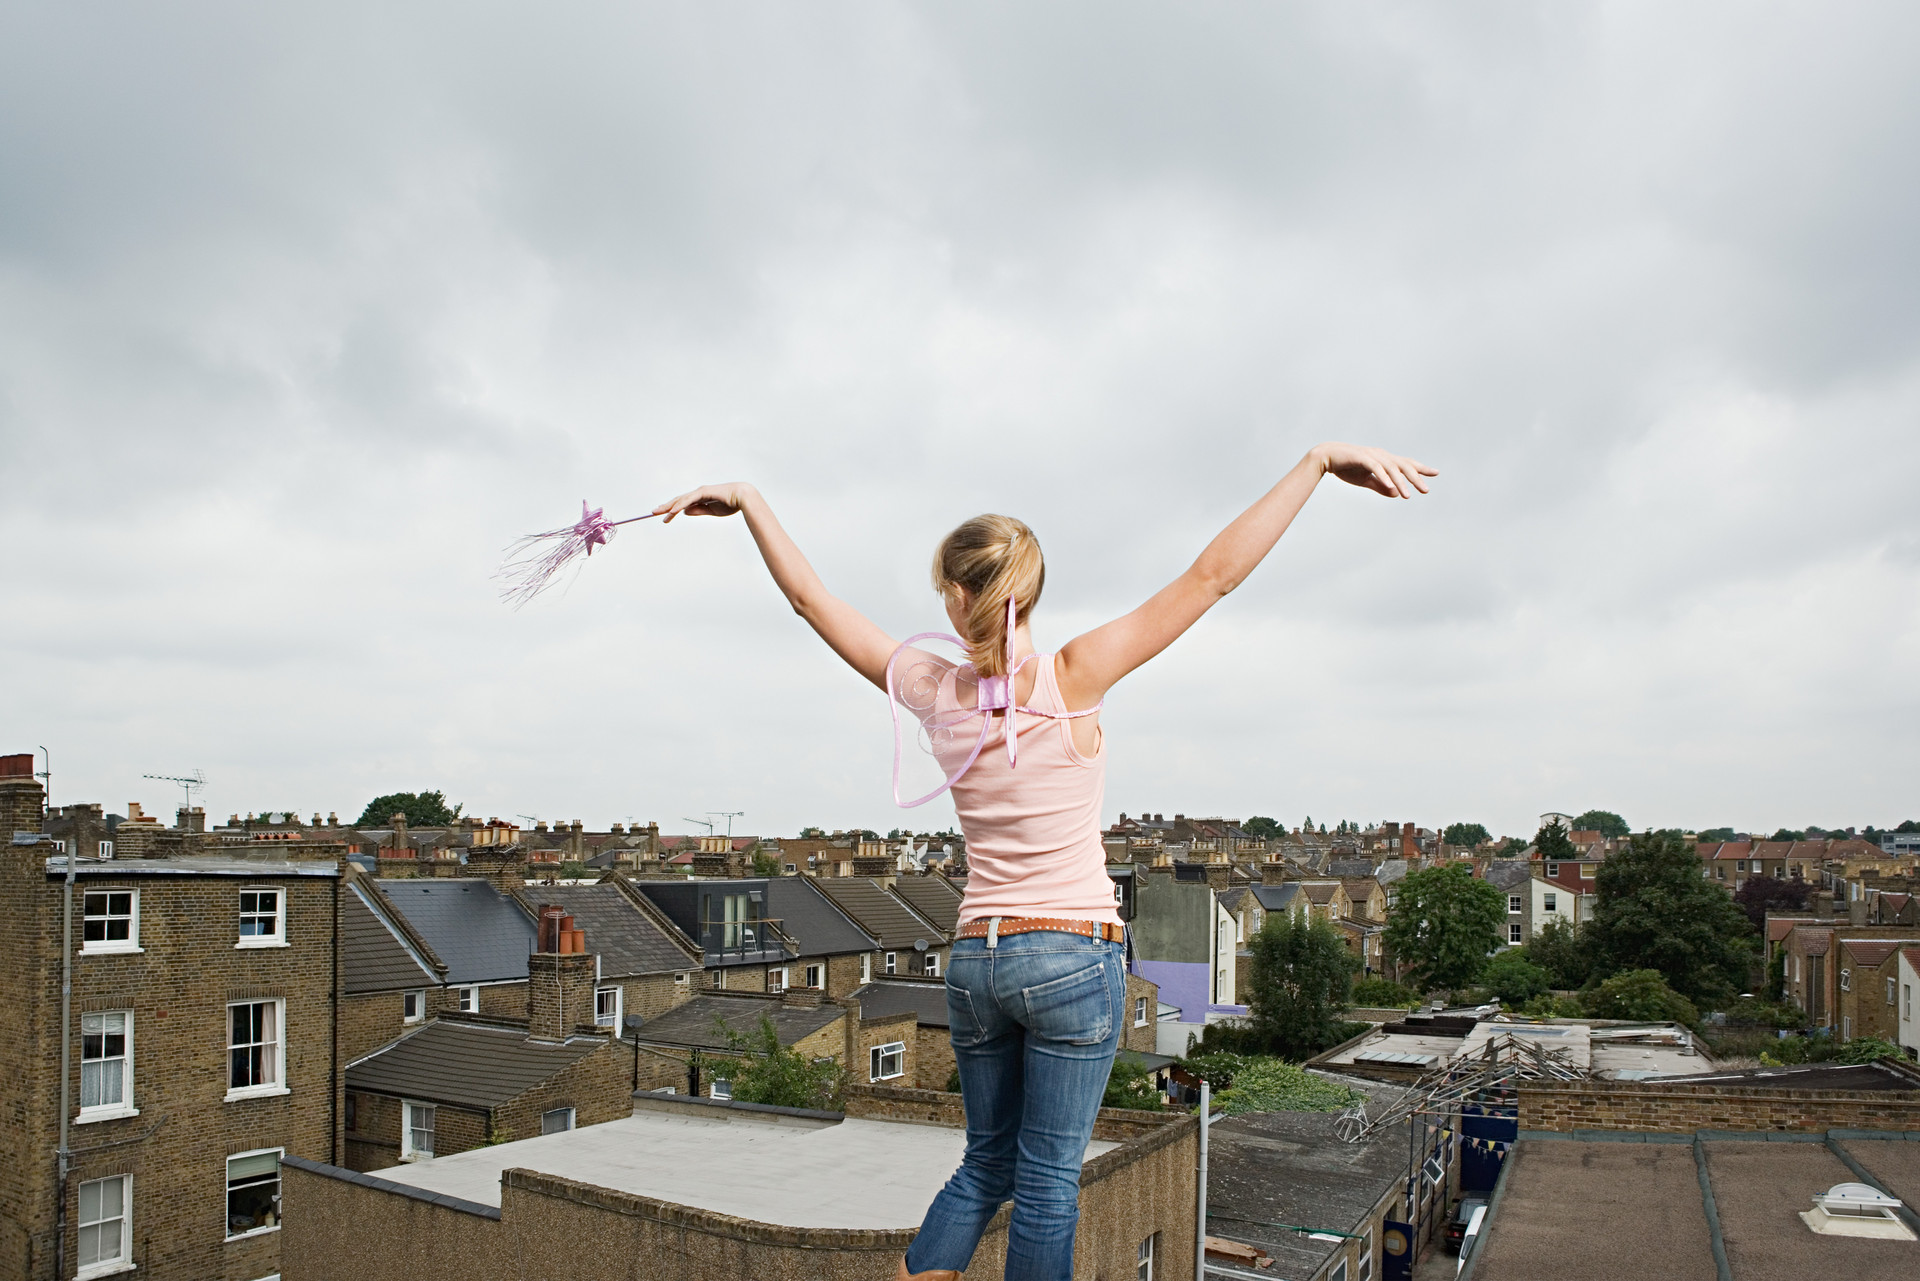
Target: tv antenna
(701,821)
(47,774)
(729,815)
(187,785)
(531,819)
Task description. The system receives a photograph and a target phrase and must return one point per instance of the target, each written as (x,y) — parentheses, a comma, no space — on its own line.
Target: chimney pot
(19,765)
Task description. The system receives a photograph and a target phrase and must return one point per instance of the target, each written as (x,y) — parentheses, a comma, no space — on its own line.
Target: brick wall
(933,1061)
(559,993)
(651,995)
(1141,1037)
(177,989)
(1681,1109)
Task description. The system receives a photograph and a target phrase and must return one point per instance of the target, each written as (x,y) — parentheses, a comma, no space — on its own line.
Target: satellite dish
(919,945)
(633,1022)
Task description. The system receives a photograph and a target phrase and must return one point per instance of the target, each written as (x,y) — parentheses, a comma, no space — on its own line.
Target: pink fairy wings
(533,562)
(954,706)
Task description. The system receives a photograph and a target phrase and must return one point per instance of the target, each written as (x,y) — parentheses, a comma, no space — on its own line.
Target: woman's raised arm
(1089,665)
(849,633)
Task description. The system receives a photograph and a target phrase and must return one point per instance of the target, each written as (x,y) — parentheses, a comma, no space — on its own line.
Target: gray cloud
(304,315)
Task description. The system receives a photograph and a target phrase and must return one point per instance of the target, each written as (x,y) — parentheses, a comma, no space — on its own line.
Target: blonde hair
(993,557)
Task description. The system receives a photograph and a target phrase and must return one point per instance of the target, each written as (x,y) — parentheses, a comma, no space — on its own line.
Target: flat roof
(196,866)
(697,1158)
(1607,1209)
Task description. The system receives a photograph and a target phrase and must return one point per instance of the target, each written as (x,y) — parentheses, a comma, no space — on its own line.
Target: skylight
(1857,1210)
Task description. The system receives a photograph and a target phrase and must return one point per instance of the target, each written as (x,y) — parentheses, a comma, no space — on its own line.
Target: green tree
(1561,950)
(423,809)
(1467,834)
(1640,995)
(812,834)
(1262,828)
(1129,1085)
(769,1072)
(1759,895)
(1868,1049)
(1553,844)
(1301,977)
(1443,925)
(765,863)
(1788,834)
(1655,911)
(1512,847)
(1383,994)
(1717,834)
(1513,978)
(1605,822)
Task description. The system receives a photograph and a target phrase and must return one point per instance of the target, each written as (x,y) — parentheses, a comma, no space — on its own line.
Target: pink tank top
(1031,816)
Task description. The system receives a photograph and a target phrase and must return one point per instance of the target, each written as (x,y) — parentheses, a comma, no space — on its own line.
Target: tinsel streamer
(535,561)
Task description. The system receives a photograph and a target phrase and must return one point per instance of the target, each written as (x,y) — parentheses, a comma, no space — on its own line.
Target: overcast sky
(304,315)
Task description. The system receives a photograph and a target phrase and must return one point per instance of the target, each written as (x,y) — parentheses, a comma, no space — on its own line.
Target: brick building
(200,1041)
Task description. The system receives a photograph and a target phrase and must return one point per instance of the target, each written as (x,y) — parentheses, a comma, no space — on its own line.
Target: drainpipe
(1200,1217)
(65,1155)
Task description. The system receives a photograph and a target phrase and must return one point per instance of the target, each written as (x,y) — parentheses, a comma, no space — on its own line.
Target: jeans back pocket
(1076,1008)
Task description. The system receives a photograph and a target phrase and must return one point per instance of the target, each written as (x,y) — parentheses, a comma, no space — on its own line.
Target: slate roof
(1276,898)
(691,1025)
(878,912)
(483,936)
(466,1064)
(626,939)
(1319,891)
(1508,874)
(374,956)
(881,999)
(933,898)
(812,920)
(1344,867)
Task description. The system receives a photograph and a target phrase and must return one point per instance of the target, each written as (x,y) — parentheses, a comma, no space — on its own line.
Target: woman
(1036,987)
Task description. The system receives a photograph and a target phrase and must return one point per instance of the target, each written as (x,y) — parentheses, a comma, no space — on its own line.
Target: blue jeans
(1035,1023)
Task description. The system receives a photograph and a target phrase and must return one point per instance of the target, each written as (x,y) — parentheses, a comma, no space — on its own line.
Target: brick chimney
(23,801)
(559,978)
(190,820)
(502,866)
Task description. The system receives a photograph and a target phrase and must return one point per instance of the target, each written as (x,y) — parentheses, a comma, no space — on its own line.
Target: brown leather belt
(1028,924)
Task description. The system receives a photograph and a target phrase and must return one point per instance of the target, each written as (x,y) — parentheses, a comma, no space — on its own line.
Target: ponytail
(996,559)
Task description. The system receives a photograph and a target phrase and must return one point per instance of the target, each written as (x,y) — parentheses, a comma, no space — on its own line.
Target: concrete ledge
(707,1222)
(729,1109)
(326,1171)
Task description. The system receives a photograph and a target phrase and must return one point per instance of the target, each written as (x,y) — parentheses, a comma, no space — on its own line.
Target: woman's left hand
(708,500)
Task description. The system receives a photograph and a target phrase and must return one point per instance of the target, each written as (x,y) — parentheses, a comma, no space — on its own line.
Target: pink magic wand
(533,562)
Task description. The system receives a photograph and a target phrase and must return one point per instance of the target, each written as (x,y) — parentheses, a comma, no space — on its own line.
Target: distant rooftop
(858,1172)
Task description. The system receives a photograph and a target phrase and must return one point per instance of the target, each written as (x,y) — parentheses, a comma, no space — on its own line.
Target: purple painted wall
(1187,984)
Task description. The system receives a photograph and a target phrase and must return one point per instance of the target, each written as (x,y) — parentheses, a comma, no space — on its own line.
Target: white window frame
(866,967)
(933,965)
(682,978)
(721,1088)
(878,1058)
(1515,905)
(271,1227)
(1846,980)
(1145,1256)
(278,936)
(777,976)
(1890,987)
(1516,933)
(1139,1011)
(108,947)
(1339,1272)
(1366,1254)
(619,1004)
(419,998)
(1550,902)
(816,976)
(887,963)
(567,1114)
(1553,869)
(122,1259)
(466,998)
(106,849)
(123,1106)
(409,1109)
(1906,994)
(719,980)
(791,869)
(275,1065)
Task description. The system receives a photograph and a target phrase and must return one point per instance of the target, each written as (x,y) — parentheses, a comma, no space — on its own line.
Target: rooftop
(1568,1199)
(696,1023)
(884,997)
(625,937)
(693,1154)
(879,913)
(465,1064)
(374,956)
(195,866)
(482,935)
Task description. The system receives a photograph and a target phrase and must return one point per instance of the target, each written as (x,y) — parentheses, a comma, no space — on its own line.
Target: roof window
(1857,1210)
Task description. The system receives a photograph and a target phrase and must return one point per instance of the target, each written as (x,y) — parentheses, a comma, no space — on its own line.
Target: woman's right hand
(1374,469)
(708,500)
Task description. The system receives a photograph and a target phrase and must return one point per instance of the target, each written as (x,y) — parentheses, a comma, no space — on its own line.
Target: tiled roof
(1275,898)
(926,1000)
(1778,929)
(1725,849)
(812,920)
(625,938)
(1816,942)
(933,898)
(374,957)
(695,1023)
(878,912)
(482,936)
(1871,952)
(1319,891)
(466,1064)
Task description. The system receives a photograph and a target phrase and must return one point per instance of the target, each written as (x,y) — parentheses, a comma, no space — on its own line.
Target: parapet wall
(1652,1107)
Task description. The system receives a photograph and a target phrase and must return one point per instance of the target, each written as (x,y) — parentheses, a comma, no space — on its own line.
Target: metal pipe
(1200,1218)
(64,1155)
